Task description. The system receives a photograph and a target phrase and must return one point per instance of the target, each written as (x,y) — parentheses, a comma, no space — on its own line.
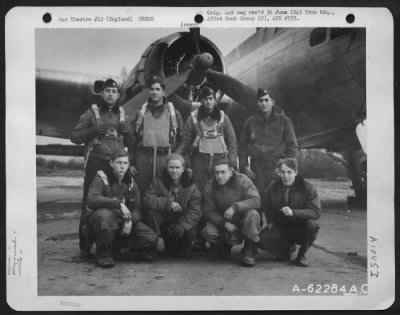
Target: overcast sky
(105,51)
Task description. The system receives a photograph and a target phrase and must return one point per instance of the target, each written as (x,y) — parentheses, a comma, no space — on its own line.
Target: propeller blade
(172,83)
(234,88)
(175,81)
(195,34)
(135,103)
(183,105)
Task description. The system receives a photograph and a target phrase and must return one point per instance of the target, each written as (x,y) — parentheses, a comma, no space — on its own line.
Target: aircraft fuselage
(316,75)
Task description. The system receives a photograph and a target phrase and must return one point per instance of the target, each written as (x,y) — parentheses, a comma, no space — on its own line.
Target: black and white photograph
(199,161)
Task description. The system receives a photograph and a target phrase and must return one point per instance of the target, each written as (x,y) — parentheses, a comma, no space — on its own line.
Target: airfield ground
(338,257)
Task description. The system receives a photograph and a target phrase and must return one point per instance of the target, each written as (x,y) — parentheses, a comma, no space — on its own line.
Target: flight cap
(110,83)
(263,92)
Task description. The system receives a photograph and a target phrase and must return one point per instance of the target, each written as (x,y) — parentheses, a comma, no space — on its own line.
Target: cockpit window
(318,36)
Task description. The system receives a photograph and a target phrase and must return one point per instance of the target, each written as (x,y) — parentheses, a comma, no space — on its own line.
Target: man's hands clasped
(126,215)
(228,215)
(229,226)
(175,207)
(287,211)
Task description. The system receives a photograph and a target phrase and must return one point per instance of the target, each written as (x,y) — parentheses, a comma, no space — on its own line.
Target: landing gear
(357,169)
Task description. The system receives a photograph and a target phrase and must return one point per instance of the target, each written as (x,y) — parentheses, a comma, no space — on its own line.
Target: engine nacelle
(173,55)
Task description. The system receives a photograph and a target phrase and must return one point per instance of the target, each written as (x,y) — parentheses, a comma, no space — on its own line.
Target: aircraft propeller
(195,34)
(234,88)
(197,68)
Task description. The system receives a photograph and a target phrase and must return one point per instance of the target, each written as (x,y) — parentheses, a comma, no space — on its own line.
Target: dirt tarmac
(338,259)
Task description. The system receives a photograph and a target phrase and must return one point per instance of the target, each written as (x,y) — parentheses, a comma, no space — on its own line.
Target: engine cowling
(172,55)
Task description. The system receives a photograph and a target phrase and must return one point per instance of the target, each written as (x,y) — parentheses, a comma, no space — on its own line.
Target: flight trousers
(303,233)
(144,161)
(173,245)
(264,170)
(105,227)
(249,226)
(93,165)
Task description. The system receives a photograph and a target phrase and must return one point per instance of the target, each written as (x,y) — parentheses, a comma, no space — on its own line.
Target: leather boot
(287,253)
(301,258)
(249,252)
(104,255)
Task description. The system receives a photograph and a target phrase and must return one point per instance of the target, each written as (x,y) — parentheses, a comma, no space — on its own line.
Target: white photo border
(21,230)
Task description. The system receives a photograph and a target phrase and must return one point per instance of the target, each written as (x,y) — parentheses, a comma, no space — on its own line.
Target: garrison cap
(206,91)
(110,83)
(155,79)
(263,92)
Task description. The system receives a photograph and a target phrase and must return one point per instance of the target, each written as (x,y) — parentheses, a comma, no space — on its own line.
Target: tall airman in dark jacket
(266,137)
(231,203)
(174,204)
(292,208)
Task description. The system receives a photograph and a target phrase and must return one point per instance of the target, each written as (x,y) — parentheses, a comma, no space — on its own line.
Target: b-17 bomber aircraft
(317,75)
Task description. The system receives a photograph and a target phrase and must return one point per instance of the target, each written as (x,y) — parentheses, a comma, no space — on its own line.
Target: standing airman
(266,137)
(157,133)
(102,128)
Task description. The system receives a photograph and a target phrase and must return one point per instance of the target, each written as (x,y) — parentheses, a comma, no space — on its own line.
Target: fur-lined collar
(186,179)
(231,181)
(299,183)
(112,179)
